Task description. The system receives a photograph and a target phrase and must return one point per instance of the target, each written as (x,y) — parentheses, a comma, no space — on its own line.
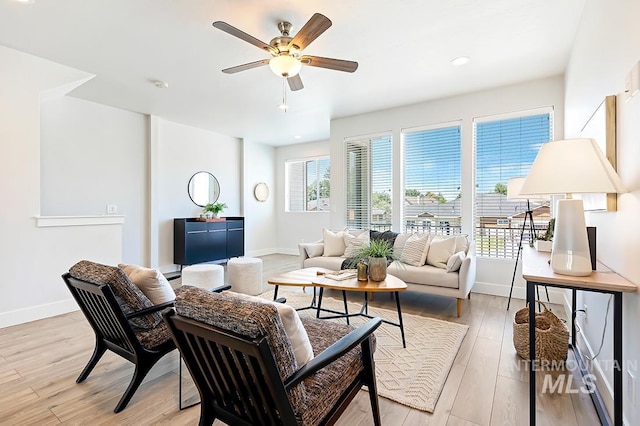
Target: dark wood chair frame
(114,332)
(238,379)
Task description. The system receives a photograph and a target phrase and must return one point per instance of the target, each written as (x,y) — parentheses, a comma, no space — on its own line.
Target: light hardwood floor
(487,384)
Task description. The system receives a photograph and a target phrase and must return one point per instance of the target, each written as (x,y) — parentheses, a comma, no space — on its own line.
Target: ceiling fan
(285,50)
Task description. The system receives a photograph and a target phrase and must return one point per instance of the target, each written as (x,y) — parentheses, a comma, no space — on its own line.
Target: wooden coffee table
(300,278)
(390,285)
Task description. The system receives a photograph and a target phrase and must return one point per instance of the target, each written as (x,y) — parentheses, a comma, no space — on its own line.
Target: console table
(537,271)
(195,241)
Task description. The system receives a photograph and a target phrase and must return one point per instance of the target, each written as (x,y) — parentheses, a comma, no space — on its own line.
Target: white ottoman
(204,275)
(245,275)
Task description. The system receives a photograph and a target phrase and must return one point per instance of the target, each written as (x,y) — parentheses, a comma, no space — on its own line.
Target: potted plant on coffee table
(378,254)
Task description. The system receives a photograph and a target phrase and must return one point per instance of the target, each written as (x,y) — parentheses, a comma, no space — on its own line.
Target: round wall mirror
(203,188)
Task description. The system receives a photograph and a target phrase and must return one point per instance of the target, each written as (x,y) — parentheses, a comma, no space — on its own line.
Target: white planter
(542,245)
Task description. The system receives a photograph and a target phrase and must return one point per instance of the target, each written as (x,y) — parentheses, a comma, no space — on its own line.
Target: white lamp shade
(514,185)
(285,65)
(569,166)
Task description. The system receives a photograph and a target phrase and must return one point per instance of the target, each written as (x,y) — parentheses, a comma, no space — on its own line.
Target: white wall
(93,155)
(260,217)
(33,258)
(606,47)
(177,152)
(493,276)
(296,227)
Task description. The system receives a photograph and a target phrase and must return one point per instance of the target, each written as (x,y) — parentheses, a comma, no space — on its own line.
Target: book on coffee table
(341,275)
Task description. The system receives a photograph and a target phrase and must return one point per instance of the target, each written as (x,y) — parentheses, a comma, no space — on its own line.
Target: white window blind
(369,183)
(432,180)
(506,148)
(307,183)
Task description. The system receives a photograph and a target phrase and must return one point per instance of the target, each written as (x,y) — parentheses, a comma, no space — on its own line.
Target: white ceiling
(403,49)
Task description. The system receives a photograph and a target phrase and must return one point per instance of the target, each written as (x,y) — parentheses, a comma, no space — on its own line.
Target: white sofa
(424,279)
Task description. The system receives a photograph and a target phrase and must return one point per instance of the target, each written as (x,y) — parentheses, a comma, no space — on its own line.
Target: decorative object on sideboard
(261,192)
(567,167)
(203,188)
(544,242)
(212,210)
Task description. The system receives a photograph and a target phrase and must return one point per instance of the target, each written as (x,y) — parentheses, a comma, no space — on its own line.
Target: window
(369,183)
(506,148)
(432,180)
(308,187)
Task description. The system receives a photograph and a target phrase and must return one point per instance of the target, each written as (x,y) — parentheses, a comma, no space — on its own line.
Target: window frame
(550,110)
(304,161)
(441,225)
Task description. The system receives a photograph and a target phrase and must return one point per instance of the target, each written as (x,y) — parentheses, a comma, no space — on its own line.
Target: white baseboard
(32,313)
(556,296)
(268,251)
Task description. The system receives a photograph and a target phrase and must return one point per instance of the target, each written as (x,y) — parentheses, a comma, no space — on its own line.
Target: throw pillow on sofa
(415,250)
(314,249)
(333,242)
(440,250)
(353,244)
(455,261)
(152,283)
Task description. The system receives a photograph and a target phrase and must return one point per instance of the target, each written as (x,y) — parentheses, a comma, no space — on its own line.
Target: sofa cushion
(152,283)
(399,243)
(313,249)
(440,250)
(388,236)
(353,244)
(455,261)
(415,250)
(333,242)
(462,243)
(332,263)
(292,327)
(426,275)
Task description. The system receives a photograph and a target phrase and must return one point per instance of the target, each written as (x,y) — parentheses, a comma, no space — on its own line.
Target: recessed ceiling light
(297,137)
(160,84)
(460,60)
(25,1)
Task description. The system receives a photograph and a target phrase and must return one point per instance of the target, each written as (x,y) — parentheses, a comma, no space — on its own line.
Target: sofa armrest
(467,273)
(302,249)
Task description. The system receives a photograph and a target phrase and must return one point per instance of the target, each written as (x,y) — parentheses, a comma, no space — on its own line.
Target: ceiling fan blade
(295,83)
(311,30)
(245,67)
(330,63)
(230,29)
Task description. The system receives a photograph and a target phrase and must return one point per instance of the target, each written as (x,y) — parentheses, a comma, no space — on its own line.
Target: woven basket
(552,336)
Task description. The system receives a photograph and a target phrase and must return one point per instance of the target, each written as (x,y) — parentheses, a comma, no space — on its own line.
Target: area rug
(412,376)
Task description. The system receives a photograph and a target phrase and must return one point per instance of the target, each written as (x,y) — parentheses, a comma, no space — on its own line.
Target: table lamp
(572,166)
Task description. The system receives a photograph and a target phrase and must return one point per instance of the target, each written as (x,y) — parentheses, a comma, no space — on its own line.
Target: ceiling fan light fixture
(285,65)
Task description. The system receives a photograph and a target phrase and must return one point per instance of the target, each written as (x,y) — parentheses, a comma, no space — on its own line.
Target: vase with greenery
(213,210)
(378,254)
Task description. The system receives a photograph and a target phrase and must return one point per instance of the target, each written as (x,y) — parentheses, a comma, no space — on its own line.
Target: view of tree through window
(432,180)
(308,185)
(505,149)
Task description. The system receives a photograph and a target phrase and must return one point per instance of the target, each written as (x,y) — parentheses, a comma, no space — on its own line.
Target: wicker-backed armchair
(123,319)
(243,364)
